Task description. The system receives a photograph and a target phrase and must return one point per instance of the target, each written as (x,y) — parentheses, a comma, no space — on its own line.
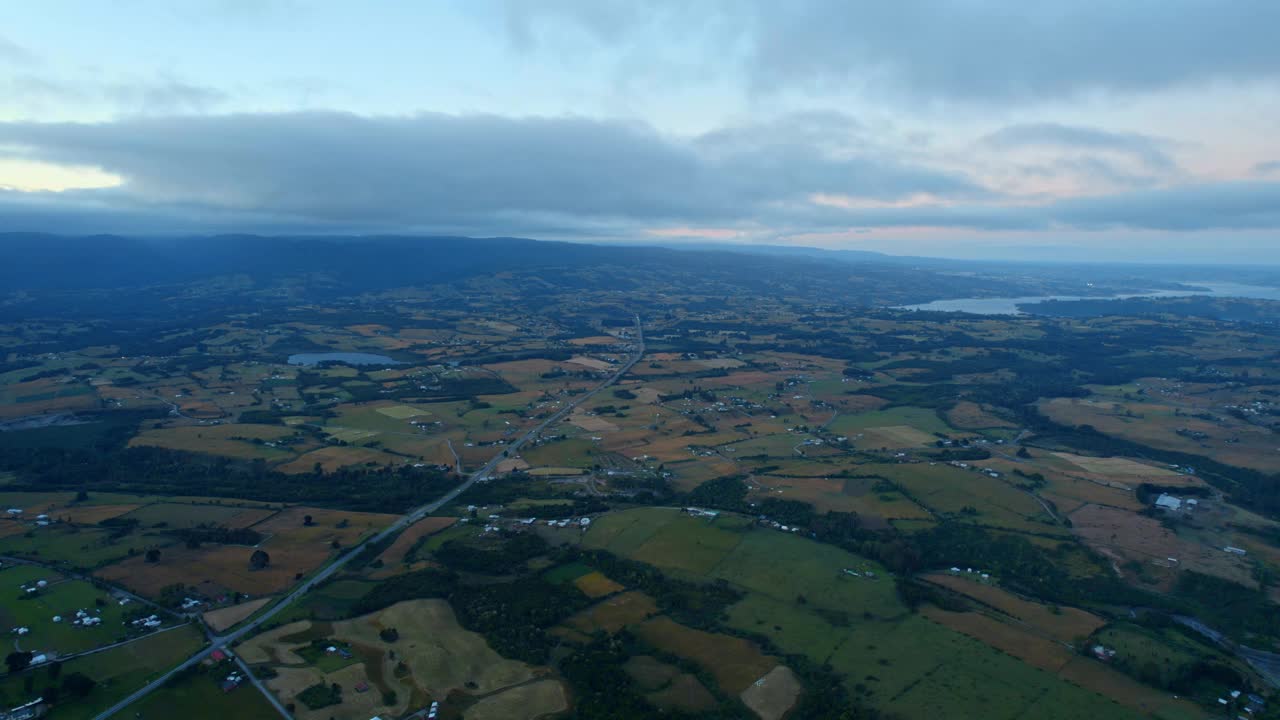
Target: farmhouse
(1168,502)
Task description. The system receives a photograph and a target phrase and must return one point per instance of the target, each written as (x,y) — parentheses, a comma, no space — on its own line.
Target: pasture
(924,421)
(178,516)
(733,662)
(1127,535)
(572,452)
(61,598)
(1225,439)
(439,658)
(294,549)
(396,557)
(236,441)
(596,585)
(197,695)
(228,617)
(1065,625)
(118,672)
(967,493)
(70,546)
(524,702)
(613,614)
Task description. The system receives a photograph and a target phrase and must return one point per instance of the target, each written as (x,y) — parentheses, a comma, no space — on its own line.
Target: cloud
(1267,168)
(14,54)
(434,168)
(163,95)
(1188,208)
(564,177)
(1151,152)
(951,50)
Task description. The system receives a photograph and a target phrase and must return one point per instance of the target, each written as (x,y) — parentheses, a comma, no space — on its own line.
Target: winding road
(222,641)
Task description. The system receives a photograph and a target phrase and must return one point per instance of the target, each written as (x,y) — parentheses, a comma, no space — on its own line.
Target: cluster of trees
(506,554)
(51,684)
(114,467)
(217,535)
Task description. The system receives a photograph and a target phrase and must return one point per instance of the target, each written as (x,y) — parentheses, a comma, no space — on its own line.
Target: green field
(779,445)
(173,515)
(783,567)
(947,489)
(74,547)
(566,573)
(61,598)
(798,596)
(117,672)
(573,452)
(918,418)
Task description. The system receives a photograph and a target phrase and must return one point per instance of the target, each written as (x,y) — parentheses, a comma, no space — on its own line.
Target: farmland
(760,518)
(440,658)
(117,672)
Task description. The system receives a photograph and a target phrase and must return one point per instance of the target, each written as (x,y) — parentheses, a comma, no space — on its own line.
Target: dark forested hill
(327,266)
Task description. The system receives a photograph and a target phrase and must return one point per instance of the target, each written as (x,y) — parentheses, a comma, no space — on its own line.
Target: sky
(1050,130)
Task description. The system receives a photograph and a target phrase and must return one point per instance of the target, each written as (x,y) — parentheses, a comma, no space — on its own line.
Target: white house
(1168,502)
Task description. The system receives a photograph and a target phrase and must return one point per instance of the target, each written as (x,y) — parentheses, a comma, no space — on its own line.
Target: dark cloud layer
(440,168)
(332,172)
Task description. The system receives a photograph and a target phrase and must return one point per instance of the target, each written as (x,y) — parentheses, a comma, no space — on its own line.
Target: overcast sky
(1071,129)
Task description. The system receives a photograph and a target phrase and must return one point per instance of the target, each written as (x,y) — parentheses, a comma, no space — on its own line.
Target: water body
(350,358)
(1009,305)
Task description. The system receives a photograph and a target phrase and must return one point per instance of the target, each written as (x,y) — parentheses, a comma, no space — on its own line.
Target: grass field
(923,420)
(332,458)
(573,452)
(230,440)
(735,663)
(440,657)
(118,672)
(782,566)
(526,702)
(668,688)
(227,617)
(175,516)
(60,598)
(947,489)
(1157,425)
(971,416)
(395,557)
(1065,625)
(196,695)
(615,613)
(798,597)
(293,548)
(1147,541)
(596,585)
(73,547)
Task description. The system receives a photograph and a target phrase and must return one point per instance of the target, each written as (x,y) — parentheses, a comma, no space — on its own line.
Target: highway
(221,641)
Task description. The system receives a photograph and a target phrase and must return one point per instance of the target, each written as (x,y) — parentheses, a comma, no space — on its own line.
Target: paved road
(219,641)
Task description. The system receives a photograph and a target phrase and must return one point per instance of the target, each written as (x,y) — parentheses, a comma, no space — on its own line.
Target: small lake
(350,358)
(1009,305)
